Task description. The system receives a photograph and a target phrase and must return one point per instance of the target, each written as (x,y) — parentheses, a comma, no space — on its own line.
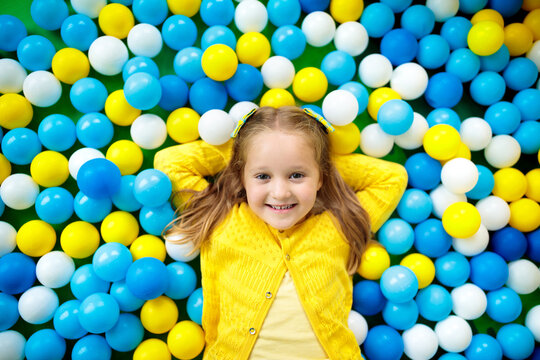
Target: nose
(280,189)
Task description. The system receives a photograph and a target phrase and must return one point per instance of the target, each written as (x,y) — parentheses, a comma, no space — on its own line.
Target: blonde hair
(205,209)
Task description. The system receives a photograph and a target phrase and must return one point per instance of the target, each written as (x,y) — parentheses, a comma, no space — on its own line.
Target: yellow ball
(345,139)
(186,340)
(378,97)
(533,184)
(518,38)
(310,84)
(277,98)
(532,22)
(5,168)
(70,65)
(118,110)
(375,260)
(159,315)
(461,220)
(524,215)
(219,62)
(485,38)
(116,20)
(15,111)
(530,5)
(79,239)
(148,246)
(152,349)
(488,15)
(183,125)
(127,155)
(510,184)
(184,7)
(121,227)
(49,168)
(253,48)
(442,142)
(346,10)
(422,267)
(36,238)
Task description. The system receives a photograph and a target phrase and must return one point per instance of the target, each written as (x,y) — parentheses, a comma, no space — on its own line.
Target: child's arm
(188,164)
(378,184)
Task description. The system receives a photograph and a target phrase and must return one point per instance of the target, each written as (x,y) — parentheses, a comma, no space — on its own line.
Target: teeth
(281,207)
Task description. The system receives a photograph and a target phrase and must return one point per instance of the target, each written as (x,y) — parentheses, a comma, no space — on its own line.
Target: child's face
(281,178)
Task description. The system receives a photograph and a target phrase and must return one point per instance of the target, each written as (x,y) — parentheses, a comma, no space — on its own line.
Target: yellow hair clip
(241,122)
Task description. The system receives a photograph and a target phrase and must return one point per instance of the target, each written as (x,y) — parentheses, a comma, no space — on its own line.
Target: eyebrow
(291,169)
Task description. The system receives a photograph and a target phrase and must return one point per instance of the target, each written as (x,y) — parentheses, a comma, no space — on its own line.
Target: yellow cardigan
(244,260)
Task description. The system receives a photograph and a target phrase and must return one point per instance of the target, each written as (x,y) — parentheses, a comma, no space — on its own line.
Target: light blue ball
(517,341)
(152,187)
(444,116)
(91,209)
(147,278)
(503,305)
(520,73)
(339,67)
(88,95)
(452,269)
(218,34)
(395,117)
(35,52)
(397,236)
(195,305)
(378,19)
(472,6)
(57,132)
(444,90)
(415,206)
(111,261)
(419,20)
(152,12)
(399,284)
(487,88)
(179,32)
(483,347)
(127,334)
(484,184)
(125,199)
(452,356)
(424,171)
(12,31)
(85,282)
(78,31)
(207,94)
(98,313)
(489,271)
(360,93)
(140,64)
(246,84)
(528,137)
(497,61)
(91,347)
(397,6)
(66,320)
(20,146)
(9,308)
(54,205)
(187,64)
(455,31)
(154,219)
(288,41)
(400,316)
(49,14)
(174,92)
(431,239)
(503,117)
(464,64)
(182,280)
(45,344)
(528,103)
(433,51)
(142,91)
(124,297)
(283,12)
(99,178)
(216,12)
(434,302)
(94,130)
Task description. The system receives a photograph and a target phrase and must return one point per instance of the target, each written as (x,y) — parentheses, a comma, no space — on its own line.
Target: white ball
(375,70)
(144,40)
(42,88)
(149,131)
(502,151)
(179,252)
(240,109)
(250,16)
(19,191)
(494,211)
(472,245)
(8,236)
(90,8)
(216,126)
(358,325)
(454,334)
(420,342)
(534,54)
(12,75)
(107,55)
(468,301)
(278,72)
(459,175)
(476,133)
(443,9)
(319,28)
(340,107)
(12,344)
(54,269)
(412,138)
(441,198)
(375,142)
(409,80)
(351,37)
(532,322)
(523,276)
(38,304)
(80,156)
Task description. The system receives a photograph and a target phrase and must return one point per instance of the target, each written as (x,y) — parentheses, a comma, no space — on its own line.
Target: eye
(297,175)
(262,177)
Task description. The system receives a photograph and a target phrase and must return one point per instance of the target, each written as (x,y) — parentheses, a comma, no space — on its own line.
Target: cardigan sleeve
(379,184)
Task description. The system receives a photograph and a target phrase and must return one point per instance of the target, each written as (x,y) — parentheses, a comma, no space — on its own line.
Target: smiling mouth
(282,207)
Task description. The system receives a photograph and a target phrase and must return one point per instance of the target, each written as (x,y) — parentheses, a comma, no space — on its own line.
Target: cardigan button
(252,331)
(268,295)
(287,257)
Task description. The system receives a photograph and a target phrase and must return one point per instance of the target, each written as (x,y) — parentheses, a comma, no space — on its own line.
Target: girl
(281,232)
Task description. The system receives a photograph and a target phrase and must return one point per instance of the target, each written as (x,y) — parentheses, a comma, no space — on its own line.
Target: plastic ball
(517,341)
(358,325)
(91,346)
(489,271)
(126,155)
(368,298)
(375,142)
(108,55)
(79,239)
(19,191)
(527,102)
(533,181)
(343,114)
(252,48)
(338,67)
(147,278)
(441,142)
(145,40)
(345,139)
(526,135)
(246,84)
(375,70)
(182,280)
(42,88)
(278,72)
(434,303)
(423,171)
(310,84)
(148,246)
(124,199)
(49,168)
(531,321)
(383,342)
(397,236)
(54,269)
(395,117)
(111,261)
(503,305)
(35,52)
(142,91)
(116,20)
(155,219)
(99,178)
(218,34)
(13,344)
(88,95)
(351,37)
(518,38)
(494,211)
(7,238)
(89,8)
(124,297)
(126,334)
(461,220)
(45,343)
(120,226)
(443,10)
(98,313)
(66,320)
(487,88)
(524,215)
(187,64)
(283,12)
(378,19)
(13,75)
(510,184)
(85,282)
(178,32)
(207,94)
(154,12)
(485,37)
(482,347)
(415,206)
(399,46)
(57,132)
(94,130)
(412,138)
(16,111)
(520,74)
(148,131)
(78,31)
(375,261)
(17,273)
(420,341)
(174,92)
(319,28)
(288,41)
(431,239)
(531,21)
(250,16)
(186,340)
(444,116)
(219,62)
(476,133)
(118,110)
(38,304)
(215,127)
(152,187)
(91,209)
(443,90)
(433,51)
(472,245)
(452,269)
(36,238)
(464,64)
(217,12)
(182,125)
(360,93)
(419,20)
(409,80)
(180,252)
(159,315)
(422,267)
(509,243)
(13,31)
(454,334)
(503,151)
(497,61)
(469,301)
(459,175)
(441,198)
(399,284)
(152,349)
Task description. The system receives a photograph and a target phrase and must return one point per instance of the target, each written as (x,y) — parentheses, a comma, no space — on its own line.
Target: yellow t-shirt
(286,332)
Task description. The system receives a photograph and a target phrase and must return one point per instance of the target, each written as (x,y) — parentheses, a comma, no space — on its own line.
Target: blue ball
(218,34)
(489,271)
(91,209)
(147,278)
(152,187)
(142,91)
(49,14)
(452,356)
(487,88)
(517,341)
(415,206)
(309,6)
(17,273)
(399,46)
(12,31)
(283,12)
(152,12)
(154,219)
(443,90)
(174,92)
(455,31)
(246,84)
(339,67)
(45,344)
(399,284)
(528,137)
(111,261)
(484,185)
(483,347)
(395,117)
(464,64)
(452,269)
(85,282)
(472,6)
(207,94)
(35,52)
(66,320)
(419,20)
(187,64)
(497,61)
(383,343)
(140,64)
(57,132)
(503,117)
(433,51)
(99,178)
(424,171)
(125,199)
(98,313)
(533,245)
(88,95)
(509,243)
(54,205)
(434,303)
(195,305)
(179,32)
(528,103)
(503,305)
(216,12)
(94,130)
(79,31)
(397,6)
(431,239)
(360,93)
(368,298)
(20,146)
(401,316)
(397,236)
(9,308)
(288,41)
(91,347)
(124,297)
(182,280)
(520,73)
(314,108)
(444,116)
(378,19)
(506,8)
(127,334)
